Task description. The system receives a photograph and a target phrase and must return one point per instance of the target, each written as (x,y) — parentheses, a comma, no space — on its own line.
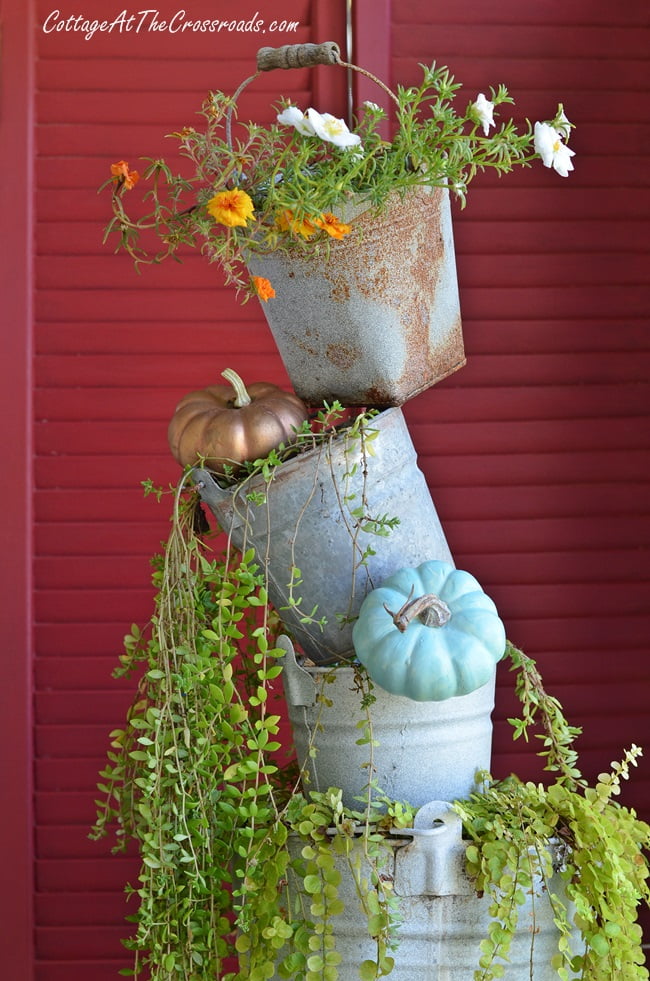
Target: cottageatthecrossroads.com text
(151,21)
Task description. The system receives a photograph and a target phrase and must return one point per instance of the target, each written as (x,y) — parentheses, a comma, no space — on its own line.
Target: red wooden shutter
(114,352)
(16,895)
(537,452)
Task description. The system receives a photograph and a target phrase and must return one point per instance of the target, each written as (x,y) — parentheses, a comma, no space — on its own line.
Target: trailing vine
(194,779)
(243,877)
(528,832)
(189,776)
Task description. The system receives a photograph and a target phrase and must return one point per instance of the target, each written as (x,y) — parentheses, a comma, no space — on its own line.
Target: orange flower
(332,225)
(121,173)
(287,223)
(263,288)
(231,208)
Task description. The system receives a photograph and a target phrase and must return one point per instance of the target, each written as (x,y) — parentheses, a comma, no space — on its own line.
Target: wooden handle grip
(298,56)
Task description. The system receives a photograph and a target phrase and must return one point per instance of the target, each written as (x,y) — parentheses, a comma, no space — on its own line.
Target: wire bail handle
(299,56)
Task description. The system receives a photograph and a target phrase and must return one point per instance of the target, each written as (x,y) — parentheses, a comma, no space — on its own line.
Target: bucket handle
(299,56)
(208,487)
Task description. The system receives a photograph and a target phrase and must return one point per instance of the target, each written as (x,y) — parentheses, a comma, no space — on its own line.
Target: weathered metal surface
(424,751)
(307,523)
(377,319)
(443,919)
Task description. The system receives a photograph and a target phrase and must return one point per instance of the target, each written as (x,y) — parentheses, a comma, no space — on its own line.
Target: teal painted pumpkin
(429,633)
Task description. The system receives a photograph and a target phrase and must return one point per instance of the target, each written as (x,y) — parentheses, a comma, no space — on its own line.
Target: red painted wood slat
(490,236)
(511,12)
(487,337)
(506,41)
(73,909)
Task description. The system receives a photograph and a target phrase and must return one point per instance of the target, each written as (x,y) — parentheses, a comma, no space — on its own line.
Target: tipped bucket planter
(443,919)
(420,751)
(374,319)
(319,532)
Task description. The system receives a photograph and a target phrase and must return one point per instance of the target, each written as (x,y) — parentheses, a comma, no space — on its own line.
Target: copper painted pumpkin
(227,425)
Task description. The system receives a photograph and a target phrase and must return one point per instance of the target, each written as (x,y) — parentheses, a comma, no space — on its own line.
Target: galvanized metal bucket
(443,919)
(423,750)
(376,319)
(315,533)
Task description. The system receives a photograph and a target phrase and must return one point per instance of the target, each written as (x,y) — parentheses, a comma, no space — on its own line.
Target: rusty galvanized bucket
(376,319)
(317,521)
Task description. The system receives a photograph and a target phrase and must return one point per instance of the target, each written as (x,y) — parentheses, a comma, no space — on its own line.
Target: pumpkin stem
(242,397)
(430,609)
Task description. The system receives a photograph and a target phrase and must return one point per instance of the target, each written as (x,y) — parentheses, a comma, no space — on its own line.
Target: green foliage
(243,878)
(193,778)
(524,832)
(293,179)
(190,775)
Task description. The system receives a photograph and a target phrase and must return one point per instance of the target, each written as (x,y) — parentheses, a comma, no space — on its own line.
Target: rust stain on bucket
(381,309)
(342,355)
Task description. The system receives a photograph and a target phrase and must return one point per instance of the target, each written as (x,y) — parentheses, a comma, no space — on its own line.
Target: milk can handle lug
(433,864)
(438,813)
(300,689)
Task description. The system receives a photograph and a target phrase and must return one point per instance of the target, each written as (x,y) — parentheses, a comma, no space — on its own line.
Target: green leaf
(368,971)
(599,944)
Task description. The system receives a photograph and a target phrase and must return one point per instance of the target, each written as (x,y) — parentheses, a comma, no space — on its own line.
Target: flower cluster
(286,186)
(124,176)
(550,145)
(323,125)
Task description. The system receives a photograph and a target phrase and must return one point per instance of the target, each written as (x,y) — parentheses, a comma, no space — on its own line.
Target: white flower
(485,111)
(293,116)
(333,130)
(554,153)
(372,106)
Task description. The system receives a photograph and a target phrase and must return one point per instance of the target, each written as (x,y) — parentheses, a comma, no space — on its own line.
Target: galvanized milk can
(443,918)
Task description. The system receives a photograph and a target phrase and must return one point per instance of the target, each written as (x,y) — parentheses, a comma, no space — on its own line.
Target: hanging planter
(373,319)
(345,236)
(330,524)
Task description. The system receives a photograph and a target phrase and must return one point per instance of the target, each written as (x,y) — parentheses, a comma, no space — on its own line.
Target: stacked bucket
(310,522)
(344,336)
